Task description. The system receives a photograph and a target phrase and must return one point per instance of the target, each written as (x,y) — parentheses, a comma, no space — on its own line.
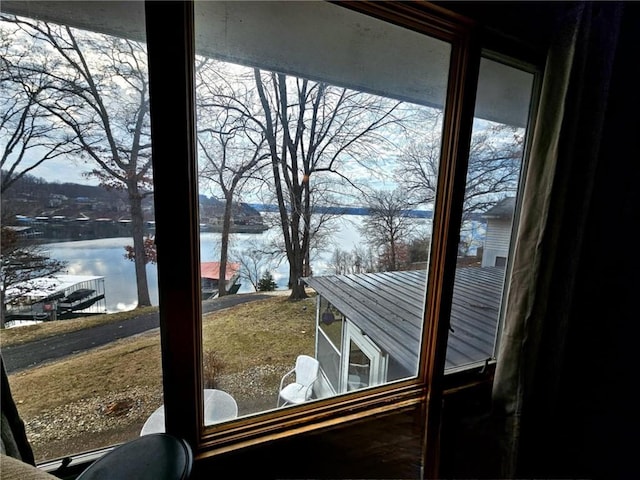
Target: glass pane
(313,216)
(359,369)
(330,322)
(77,228)
(492,186)
(329,357)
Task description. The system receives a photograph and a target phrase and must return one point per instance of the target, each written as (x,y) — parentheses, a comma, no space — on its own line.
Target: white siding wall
(496,242)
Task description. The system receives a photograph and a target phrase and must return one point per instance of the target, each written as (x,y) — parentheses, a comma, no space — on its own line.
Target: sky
(71,170)
(63,171)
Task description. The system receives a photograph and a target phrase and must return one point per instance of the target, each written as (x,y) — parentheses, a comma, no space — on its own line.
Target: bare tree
(22,260)
(358,260)
(495,161)
(494,165)
(419,161)
(97,88)
(312,131)
(232,147)
(312,127)
(254,261)
(389,227)
(29,135)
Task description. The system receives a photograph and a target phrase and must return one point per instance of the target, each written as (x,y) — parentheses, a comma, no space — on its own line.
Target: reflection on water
(105,257)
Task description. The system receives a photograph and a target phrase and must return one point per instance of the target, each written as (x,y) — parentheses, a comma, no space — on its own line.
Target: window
(303,163)
(365,364)
(77,211)
(262,101)
(339,182)
(493,179)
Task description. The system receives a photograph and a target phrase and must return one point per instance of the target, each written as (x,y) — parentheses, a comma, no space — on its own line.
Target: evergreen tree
(266,283)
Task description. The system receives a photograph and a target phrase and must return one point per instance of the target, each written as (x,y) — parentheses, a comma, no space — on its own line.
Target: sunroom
(368,326)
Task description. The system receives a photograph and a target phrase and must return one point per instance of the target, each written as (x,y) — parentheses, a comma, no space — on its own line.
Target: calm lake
(105,257)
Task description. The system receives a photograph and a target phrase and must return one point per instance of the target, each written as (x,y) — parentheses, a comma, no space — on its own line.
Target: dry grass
(253,334)
(274,330)
(262,336)
(103,372)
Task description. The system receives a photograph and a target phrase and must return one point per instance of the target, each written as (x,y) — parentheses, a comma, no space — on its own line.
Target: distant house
(85,203)
(210,278)
(368,326)
(56,200)
(498,236)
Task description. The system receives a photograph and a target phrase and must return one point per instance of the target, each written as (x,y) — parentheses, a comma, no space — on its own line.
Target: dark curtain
(555,400)
(14,437)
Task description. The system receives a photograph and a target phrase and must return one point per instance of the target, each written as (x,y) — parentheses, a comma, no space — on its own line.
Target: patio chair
(300,389)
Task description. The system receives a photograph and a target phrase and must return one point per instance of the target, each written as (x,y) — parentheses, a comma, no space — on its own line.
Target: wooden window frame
(171,50)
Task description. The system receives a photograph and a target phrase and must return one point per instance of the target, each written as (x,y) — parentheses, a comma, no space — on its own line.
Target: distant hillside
(261,207)
(38,188)
(70,210)
(34,197)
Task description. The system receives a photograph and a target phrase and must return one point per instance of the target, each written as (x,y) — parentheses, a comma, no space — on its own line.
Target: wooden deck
(389,308)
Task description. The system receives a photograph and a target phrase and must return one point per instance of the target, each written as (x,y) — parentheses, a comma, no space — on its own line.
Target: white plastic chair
(219,406)
(300,390)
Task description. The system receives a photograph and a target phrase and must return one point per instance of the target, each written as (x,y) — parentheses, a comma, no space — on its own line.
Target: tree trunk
(296,262)
(298,291)
(3,308)
(140,260)
(224,245)
(297,257)
(393,265)
(306,215)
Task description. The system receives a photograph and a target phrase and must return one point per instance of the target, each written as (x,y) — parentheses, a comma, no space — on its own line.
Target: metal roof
(43,287)
(389,308)
(503,209)
(212,270)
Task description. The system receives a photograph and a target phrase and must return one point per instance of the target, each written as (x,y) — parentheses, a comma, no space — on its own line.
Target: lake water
(105,257)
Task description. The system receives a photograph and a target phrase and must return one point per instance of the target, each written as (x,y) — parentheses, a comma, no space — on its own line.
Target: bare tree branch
(96,89)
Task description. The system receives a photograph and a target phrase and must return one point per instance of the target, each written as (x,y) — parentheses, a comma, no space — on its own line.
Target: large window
(321,203)
(77,227)
(303,162)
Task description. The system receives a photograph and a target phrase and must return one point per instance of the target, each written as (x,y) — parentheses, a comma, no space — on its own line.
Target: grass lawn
(103,396)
